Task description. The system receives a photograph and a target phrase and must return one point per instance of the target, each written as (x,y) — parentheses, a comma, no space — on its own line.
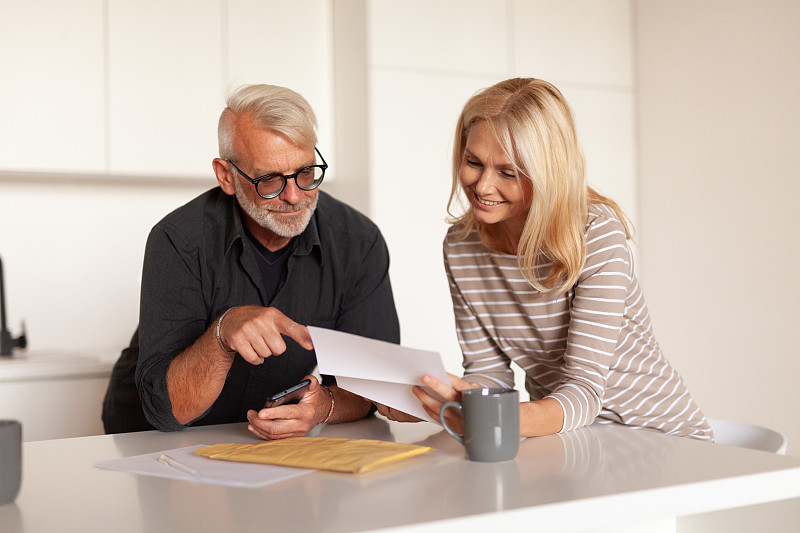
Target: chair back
(746,435)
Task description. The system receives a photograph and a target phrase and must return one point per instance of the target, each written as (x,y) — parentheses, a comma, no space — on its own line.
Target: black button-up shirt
(198,263)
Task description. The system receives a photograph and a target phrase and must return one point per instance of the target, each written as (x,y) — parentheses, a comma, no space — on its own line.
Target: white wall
(719,131)
(72,254)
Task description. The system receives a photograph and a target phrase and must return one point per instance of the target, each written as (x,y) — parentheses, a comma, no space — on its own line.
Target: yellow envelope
(320,453)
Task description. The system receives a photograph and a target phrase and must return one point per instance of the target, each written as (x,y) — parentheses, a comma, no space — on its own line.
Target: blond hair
(534,125)
(272,107)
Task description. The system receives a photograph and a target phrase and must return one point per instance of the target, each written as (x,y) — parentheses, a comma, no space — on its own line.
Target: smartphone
(291,395)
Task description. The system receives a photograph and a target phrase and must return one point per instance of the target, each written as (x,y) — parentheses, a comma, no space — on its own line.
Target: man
(231,279)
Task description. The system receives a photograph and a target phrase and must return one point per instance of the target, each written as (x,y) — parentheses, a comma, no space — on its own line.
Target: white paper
(211,470)
(378,370)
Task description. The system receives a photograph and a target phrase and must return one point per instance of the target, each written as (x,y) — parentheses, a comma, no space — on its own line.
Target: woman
(541,274)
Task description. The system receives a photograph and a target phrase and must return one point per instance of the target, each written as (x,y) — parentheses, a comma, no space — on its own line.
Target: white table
(592,478)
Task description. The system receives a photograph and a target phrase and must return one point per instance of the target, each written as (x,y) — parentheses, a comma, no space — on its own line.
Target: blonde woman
(541,275)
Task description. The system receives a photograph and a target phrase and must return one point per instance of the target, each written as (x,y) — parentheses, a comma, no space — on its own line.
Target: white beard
(265,217)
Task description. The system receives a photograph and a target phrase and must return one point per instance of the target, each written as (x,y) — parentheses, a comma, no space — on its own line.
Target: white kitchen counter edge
(35,366)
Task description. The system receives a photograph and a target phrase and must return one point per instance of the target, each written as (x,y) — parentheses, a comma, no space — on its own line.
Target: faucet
(7,342)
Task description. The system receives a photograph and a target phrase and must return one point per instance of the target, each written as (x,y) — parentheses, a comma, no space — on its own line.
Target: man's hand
(257,332)
(197,375)
(293,420)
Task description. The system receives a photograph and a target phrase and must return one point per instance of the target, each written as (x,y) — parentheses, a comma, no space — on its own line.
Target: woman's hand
(446,393)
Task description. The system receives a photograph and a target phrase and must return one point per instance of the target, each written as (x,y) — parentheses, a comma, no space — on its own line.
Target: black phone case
(291,395)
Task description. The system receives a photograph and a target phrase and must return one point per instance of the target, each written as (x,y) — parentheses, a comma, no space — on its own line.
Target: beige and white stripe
(592,349)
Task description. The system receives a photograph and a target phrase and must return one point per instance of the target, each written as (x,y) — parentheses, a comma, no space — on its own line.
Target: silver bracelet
(219,339)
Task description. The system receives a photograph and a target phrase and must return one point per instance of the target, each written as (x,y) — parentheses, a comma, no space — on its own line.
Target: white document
(378,370)
(209,470)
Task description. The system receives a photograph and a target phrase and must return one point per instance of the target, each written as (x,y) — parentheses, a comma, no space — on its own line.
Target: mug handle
(454,405)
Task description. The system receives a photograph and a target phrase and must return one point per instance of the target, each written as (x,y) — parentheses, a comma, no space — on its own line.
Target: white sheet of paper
(378,370)
(211,470)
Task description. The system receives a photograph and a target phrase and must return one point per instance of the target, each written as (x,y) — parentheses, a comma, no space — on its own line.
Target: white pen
(174,463)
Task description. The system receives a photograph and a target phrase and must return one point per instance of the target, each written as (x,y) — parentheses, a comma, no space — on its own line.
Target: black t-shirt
(271,264)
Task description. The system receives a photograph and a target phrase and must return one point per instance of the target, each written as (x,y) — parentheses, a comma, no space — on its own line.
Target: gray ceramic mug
(491,423)
(10,460)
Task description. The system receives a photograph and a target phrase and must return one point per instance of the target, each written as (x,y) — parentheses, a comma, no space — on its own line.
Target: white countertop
(51,364)
(595,477)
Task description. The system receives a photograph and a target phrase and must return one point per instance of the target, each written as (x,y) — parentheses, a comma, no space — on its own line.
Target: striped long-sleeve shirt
(591,349)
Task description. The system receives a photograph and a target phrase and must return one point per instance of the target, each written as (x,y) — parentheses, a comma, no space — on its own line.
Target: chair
(748,436)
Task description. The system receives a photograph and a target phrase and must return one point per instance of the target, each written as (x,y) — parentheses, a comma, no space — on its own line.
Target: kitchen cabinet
(134,89)
(52,87)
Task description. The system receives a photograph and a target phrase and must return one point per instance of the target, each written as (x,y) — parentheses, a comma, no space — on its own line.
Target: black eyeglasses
(271,185)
